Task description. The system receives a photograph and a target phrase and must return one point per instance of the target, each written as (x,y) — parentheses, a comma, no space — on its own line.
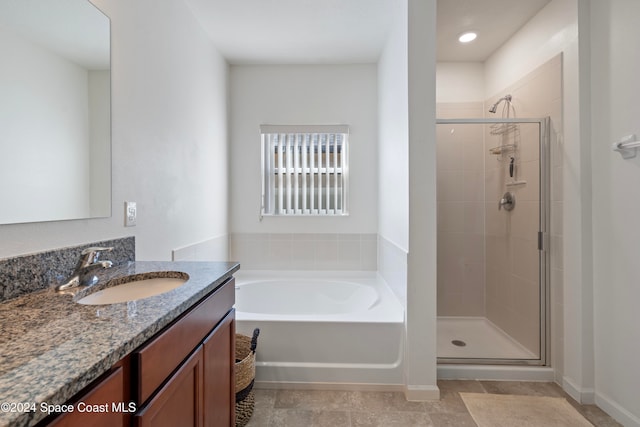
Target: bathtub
(322,328)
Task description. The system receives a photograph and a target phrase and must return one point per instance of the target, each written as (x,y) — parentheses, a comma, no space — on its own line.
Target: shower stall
(493,214)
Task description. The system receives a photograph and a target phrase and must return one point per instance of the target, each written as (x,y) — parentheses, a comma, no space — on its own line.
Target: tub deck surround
(52,347)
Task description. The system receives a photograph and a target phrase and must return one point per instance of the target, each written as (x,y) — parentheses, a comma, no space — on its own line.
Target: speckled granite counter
(52,347)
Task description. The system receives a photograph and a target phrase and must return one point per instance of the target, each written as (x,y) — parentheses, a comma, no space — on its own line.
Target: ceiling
(349,31)
(296,31)
(495,21)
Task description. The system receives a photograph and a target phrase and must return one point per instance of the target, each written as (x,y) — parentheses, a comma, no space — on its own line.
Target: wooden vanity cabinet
(185,374)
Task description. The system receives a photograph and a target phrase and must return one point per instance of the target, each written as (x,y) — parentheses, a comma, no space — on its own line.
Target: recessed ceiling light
(467,37)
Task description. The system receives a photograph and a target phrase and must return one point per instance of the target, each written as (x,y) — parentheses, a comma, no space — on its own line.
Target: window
(304,170)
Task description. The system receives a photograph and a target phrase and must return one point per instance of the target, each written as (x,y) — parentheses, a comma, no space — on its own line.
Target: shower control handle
(508,202)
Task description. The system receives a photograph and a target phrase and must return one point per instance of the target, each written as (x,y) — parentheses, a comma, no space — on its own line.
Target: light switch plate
(130,214)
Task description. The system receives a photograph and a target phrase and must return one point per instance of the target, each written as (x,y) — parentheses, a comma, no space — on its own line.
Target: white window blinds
(304,169)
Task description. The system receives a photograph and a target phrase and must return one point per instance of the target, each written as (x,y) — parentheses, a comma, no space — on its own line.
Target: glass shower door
(492,217)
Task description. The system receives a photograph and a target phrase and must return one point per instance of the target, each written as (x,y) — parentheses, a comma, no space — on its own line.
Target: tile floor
(304,408)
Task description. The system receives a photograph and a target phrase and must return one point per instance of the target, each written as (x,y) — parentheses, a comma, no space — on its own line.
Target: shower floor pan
(477,338)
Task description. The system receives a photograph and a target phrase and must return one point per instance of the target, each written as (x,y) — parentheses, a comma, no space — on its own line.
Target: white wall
(44,129)
(616,207)
(407,209)
(460,82)
(421,263)
(303,94)
(393,156)
(169,141)
(393,142)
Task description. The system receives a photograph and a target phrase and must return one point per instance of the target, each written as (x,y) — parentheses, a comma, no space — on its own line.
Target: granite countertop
(52,347)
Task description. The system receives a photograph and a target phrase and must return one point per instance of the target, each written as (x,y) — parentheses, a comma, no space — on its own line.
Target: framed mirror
(55,111)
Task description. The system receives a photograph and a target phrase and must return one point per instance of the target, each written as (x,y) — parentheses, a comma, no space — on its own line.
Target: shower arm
(494,107)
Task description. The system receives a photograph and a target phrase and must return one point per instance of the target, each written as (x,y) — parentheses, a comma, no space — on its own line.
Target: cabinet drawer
(162,354)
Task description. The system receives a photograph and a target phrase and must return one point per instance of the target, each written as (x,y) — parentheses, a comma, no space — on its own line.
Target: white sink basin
(131,291)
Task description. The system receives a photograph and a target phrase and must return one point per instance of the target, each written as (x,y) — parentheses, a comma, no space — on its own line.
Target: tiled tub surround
(28,273)
(305,251)
(52,347)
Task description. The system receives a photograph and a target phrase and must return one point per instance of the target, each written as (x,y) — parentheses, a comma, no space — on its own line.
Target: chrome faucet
(83,273)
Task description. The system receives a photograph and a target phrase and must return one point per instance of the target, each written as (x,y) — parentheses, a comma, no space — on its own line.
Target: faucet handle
(91,255)
(97,249)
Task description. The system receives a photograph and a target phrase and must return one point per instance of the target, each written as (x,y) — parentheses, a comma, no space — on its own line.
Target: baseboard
(585,396)
(421,393)
(616,411)
(280,385)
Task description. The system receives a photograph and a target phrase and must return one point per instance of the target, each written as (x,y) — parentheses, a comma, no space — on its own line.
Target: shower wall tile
(474,218)
(473,155)
(450,186)
(473,186)
(525,220)
(461,188)
(456,110)
(513,305)
(304,251)
(451,217)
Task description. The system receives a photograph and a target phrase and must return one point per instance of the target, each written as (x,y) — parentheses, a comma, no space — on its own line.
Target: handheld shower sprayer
(494,107)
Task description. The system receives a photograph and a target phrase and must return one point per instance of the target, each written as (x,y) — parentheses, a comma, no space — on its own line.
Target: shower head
(494,107)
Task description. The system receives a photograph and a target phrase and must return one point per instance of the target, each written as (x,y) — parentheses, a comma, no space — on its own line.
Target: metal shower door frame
(544,126)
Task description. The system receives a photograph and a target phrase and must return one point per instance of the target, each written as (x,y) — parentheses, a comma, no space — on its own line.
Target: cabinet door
(179,401)
(94,408)
(219,383)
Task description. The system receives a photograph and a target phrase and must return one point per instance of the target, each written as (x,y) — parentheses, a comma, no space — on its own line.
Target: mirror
(55,111)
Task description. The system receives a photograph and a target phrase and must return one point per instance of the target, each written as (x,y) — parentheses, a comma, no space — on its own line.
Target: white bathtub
(321,327)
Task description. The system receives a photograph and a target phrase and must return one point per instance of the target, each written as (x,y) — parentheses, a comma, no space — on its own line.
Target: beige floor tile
(319,408)
(309,418)
(468,386)
(261,416)
(595,415)
(450,403)
(452,420)
(390,419)
(386,401)
(312,399)
(264,397)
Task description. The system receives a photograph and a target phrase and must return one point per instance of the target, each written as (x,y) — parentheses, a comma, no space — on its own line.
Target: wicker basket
(245,372)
